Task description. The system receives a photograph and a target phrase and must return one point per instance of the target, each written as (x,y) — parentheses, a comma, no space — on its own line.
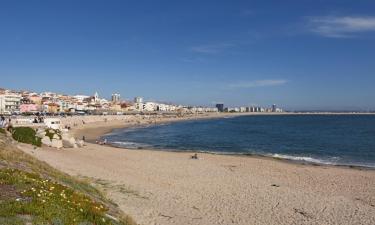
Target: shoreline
(102,129)
(169,188)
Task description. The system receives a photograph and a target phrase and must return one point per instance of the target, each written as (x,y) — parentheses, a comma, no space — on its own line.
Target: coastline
(95,131)
(99,128)
(165,187)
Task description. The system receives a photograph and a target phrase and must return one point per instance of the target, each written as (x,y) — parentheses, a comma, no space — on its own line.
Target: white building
(2,104)
(138,100)
(10,103)
(81,97)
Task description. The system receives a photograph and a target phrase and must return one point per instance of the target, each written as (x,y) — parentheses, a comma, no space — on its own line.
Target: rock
(40,130)
(46,141)
(40,134)
(55,136)
(56,143)
(80,143)
(69,142)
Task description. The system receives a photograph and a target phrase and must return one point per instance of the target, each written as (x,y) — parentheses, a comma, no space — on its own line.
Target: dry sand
(156,187)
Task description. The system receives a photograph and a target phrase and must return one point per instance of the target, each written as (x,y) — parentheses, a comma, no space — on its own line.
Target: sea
(322,139)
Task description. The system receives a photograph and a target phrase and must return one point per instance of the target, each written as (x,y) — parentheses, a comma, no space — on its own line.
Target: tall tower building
(96,97)
(116,97)
(220,107)
(273,108)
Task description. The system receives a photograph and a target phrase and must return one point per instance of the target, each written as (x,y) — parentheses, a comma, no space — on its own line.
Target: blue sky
(302,54)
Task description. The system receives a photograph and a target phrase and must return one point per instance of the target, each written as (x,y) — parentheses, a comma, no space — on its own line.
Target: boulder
(55,136)
(69,142)
(80,143)
(40,133)
(56,143)
(46,141)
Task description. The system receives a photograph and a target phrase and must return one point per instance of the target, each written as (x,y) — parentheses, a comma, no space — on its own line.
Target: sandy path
(170,188)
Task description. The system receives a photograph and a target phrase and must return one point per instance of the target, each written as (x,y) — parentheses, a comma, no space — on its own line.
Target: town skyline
(27,102)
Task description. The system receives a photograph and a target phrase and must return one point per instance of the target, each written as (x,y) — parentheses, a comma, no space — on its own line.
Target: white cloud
(341,27)
(211,48)
(257,83)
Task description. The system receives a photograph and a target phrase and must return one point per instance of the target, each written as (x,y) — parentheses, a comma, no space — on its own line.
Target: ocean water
(324,139)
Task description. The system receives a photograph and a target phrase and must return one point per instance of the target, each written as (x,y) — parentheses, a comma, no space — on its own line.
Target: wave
(331,161)
(335,161)
(128,144)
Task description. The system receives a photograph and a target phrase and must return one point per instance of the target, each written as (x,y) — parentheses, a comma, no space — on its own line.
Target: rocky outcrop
(58,139)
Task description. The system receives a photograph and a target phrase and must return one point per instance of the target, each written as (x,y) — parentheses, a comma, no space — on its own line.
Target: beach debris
(166,216)
(275,185)
(303,213)
(275,206)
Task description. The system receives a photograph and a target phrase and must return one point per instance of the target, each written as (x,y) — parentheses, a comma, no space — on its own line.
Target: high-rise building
(220,107)
(116,97)
(274,108)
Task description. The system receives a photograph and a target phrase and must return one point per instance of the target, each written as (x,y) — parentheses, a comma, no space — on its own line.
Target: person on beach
(195,156)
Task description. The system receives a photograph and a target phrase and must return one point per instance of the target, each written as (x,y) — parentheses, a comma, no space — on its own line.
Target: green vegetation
(26,135)
(2,131)
(31,192)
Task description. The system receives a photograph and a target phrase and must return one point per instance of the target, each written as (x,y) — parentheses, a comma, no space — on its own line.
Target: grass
(33,192)
(26,135)
(2,131)
(122,188)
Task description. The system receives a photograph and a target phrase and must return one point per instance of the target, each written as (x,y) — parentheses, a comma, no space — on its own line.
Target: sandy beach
(156,187)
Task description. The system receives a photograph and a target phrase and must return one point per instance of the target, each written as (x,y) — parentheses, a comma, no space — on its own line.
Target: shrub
(26,135)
